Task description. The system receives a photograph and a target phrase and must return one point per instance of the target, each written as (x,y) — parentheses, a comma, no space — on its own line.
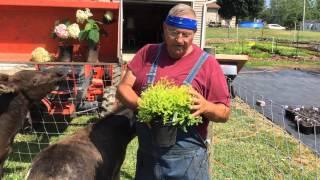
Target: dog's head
(35,85)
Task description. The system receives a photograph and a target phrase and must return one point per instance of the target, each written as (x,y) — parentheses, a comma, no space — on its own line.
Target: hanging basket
(163,135)
(65,53)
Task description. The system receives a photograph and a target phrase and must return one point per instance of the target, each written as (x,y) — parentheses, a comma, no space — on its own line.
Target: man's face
(178,40)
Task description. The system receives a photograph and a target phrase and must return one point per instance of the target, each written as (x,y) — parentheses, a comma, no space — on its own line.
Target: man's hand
(199,103)
(216,112)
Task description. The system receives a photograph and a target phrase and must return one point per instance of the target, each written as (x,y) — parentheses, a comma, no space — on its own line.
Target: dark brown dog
(17,93)
(94,152)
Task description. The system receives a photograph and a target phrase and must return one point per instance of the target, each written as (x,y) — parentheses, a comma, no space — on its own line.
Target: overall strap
(153,70)
(188,81)
(196,68)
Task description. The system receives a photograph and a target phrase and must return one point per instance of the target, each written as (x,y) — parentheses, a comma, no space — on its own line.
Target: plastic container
(248,24)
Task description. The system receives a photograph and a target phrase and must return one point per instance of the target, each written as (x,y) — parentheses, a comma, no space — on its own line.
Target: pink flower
(61,31)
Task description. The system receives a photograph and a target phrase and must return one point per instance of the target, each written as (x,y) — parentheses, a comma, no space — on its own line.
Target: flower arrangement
(40,55)
(66,31)
(167,102)
(108,17)
(83,15)
(92,29)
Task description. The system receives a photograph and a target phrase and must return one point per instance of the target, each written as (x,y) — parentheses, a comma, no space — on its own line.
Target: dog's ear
(4,77)
(6,88)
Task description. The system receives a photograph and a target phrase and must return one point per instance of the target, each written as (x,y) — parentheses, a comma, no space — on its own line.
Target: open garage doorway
(143,23)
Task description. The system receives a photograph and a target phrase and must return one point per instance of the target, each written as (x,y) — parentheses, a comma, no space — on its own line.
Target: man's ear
(6,88)
(164,26)
(4,77)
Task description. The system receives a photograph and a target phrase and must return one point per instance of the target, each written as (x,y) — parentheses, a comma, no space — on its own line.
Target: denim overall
(186,160)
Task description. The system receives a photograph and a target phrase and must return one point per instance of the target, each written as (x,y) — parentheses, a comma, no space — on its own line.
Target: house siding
(198,8)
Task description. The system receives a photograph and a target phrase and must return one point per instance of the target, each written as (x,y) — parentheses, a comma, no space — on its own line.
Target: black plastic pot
(65,53)
(163,135)
(307,119)
(307,128)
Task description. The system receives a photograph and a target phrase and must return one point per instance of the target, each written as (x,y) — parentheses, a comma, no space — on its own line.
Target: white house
(213,16)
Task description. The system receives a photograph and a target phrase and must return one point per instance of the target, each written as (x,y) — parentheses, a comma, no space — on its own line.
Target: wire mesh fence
(253,144)
(86,93)
(256,143)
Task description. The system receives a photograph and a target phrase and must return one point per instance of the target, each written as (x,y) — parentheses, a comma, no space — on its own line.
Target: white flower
(82,16)
(109,16)
(40,55)
(74,30)
(61,31)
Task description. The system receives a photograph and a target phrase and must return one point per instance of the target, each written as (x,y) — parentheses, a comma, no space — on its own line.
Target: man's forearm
(217,112)
(127,96)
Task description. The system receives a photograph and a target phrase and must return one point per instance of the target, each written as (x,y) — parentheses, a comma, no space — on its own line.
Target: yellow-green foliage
(168,102)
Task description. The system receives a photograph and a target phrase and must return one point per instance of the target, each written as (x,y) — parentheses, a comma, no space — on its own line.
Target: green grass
(26,146)
(261,49)
(248,146)
(266,53)
(245,33)
(129,164)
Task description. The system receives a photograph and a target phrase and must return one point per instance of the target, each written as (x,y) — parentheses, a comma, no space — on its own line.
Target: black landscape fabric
(280,88)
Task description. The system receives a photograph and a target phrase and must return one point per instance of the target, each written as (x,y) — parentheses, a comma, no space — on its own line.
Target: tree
(255,7)
(290,12)
(243,9)
(314,12)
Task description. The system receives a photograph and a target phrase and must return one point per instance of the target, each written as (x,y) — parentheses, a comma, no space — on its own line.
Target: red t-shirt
(209,81)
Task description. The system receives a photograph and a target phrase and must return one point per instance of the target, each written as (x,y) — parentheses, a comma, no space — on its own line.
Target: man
(176,59)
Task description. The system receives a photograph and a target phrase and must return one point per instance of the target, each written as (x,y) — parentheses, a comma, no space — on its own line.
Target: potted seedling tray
(307,119)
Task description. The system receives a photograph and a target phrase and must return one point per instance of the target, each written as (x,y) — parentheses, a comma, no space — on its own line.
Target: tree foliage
(290,12)
(244,9)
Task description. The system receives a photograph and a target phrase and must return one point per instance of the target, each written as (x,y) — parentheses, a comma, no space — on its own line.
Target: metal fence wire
(255,143)
(251,145)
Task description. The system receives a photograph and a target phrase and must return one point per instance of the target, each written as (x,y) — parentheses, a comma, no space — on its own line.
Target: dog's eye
(35,81)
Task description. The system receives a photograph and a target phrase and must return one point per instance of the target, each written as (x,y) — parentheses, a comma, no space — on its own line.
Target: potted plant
(166,107)
(91,31)
(66,33)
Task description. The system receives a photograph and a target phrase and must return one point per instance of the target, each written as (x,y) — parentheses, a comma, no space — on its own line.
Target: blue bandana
(180,22)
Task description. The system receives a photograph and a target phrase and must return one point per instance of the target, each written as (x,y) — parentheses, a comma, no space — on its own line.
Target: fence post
(237,32)
(272,45)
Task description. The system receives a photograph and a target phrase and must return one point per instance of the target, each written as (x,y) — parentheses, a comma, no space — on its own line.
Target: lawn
(265,47)
(248,145)
(245,33)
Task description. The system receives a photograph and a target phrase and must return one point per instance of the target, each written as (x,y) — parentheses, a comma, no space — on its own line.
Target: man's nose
(179,37)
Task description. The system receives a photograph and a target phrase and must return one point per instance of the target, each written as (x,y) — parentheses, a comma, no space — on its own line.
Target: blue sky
(267,2)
